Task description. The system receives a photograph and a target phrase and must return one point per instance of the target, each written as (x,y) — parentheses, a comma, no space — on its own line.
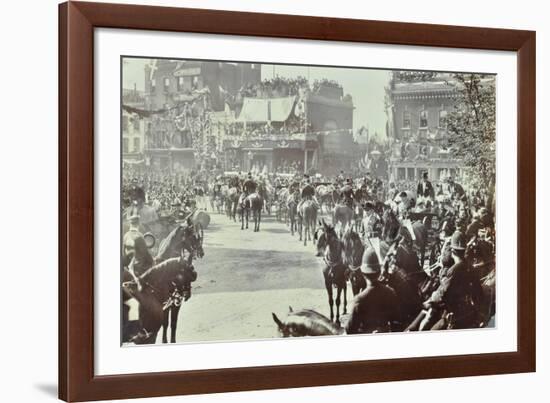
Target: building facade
(293,128)
(418,129)
(189,95)
(133,127)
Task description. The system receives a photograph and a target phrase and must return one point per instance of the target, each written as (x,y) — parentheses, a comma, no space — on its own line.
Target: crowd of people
(460,213)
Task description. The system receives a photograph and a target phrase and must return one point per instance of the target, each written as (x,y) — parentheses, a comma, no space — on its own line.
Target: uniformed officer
(377,306)
(346,193)
(371,225)
(459,290)
(307,192)
(249,186)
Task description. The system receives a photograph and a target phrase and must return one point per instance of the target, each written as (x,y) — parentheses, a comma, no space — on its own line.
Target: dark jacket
(425,191)
(373,309)
(458,291)
(249,186)
(308,191)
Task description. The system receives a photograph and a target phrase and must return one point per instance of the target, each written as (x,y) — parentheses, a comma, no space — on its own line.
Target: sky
(366,86)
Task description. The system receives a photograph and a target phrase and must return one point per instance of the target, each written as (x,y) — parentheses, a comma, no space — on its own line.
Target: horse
(305,322)
(342,214)
(307,218)
(329,246)
(325,197)
(292,208)
(231,203)
(353,250)
(251,203)
(265,192)
(392,226)
(153,290)
(282,210)
(402,272)
(256,205)
(185,237)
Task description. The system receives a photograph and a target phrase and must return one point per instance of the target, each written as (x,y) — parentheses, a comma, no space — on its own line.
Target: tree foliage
(472,127)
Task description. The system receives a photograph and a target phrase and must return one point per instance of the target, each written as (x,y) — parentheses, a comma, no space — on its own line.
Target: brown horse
(231,203)
(186,237)
(353,250)
(392,228)
(329,246)
(342,214)
(152,290)
(307,218)
(305,322)
(292,208)
(251,203)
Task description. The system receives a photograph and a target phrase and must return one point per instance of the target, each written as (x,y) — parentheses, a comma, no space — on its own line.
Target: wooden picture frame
(77,22)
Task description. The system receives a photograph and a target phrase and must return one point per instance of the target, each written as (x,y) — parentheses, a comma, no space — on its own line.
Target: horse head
(352,247)
(390,224)
(320,239)
(390,260)
(182,282)
(305,322)
(187,236)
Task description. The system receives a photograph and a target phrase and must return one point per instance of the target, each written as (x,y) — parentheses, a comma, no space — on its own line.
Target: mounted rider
(307,192)
(363,193)
(249,185)
(371,225)
(346,194)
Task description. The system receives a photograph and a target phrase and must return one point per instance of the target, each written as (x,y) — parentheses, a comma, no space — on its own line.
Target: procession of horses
(415,257)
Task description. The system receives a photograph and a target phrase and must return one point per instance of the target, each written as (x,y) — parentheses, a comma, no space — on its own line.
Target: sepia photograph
(265,200)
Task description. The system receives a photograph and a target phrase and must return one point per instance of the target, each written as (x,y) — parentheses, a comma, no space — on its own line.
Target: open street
(245,276)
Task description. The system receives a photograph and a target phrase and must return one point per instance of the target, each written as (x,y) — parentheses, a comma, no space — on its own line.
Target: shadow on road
(275,230)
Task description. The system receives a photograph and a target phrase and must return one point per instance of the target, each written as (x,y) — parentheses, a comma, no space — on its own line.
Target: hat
(134,217)
(458,241)
(424,174)
(370,263)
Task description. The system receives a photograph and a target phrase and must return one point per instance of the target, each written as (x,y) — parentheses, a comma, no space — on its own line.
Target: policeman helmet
(458,241)
(370,263)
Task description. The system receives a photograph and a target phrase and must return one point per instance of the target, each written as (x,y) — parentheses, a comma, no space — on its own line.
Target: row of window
(126,145)
(182,83)
(126,121)
(423,119)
